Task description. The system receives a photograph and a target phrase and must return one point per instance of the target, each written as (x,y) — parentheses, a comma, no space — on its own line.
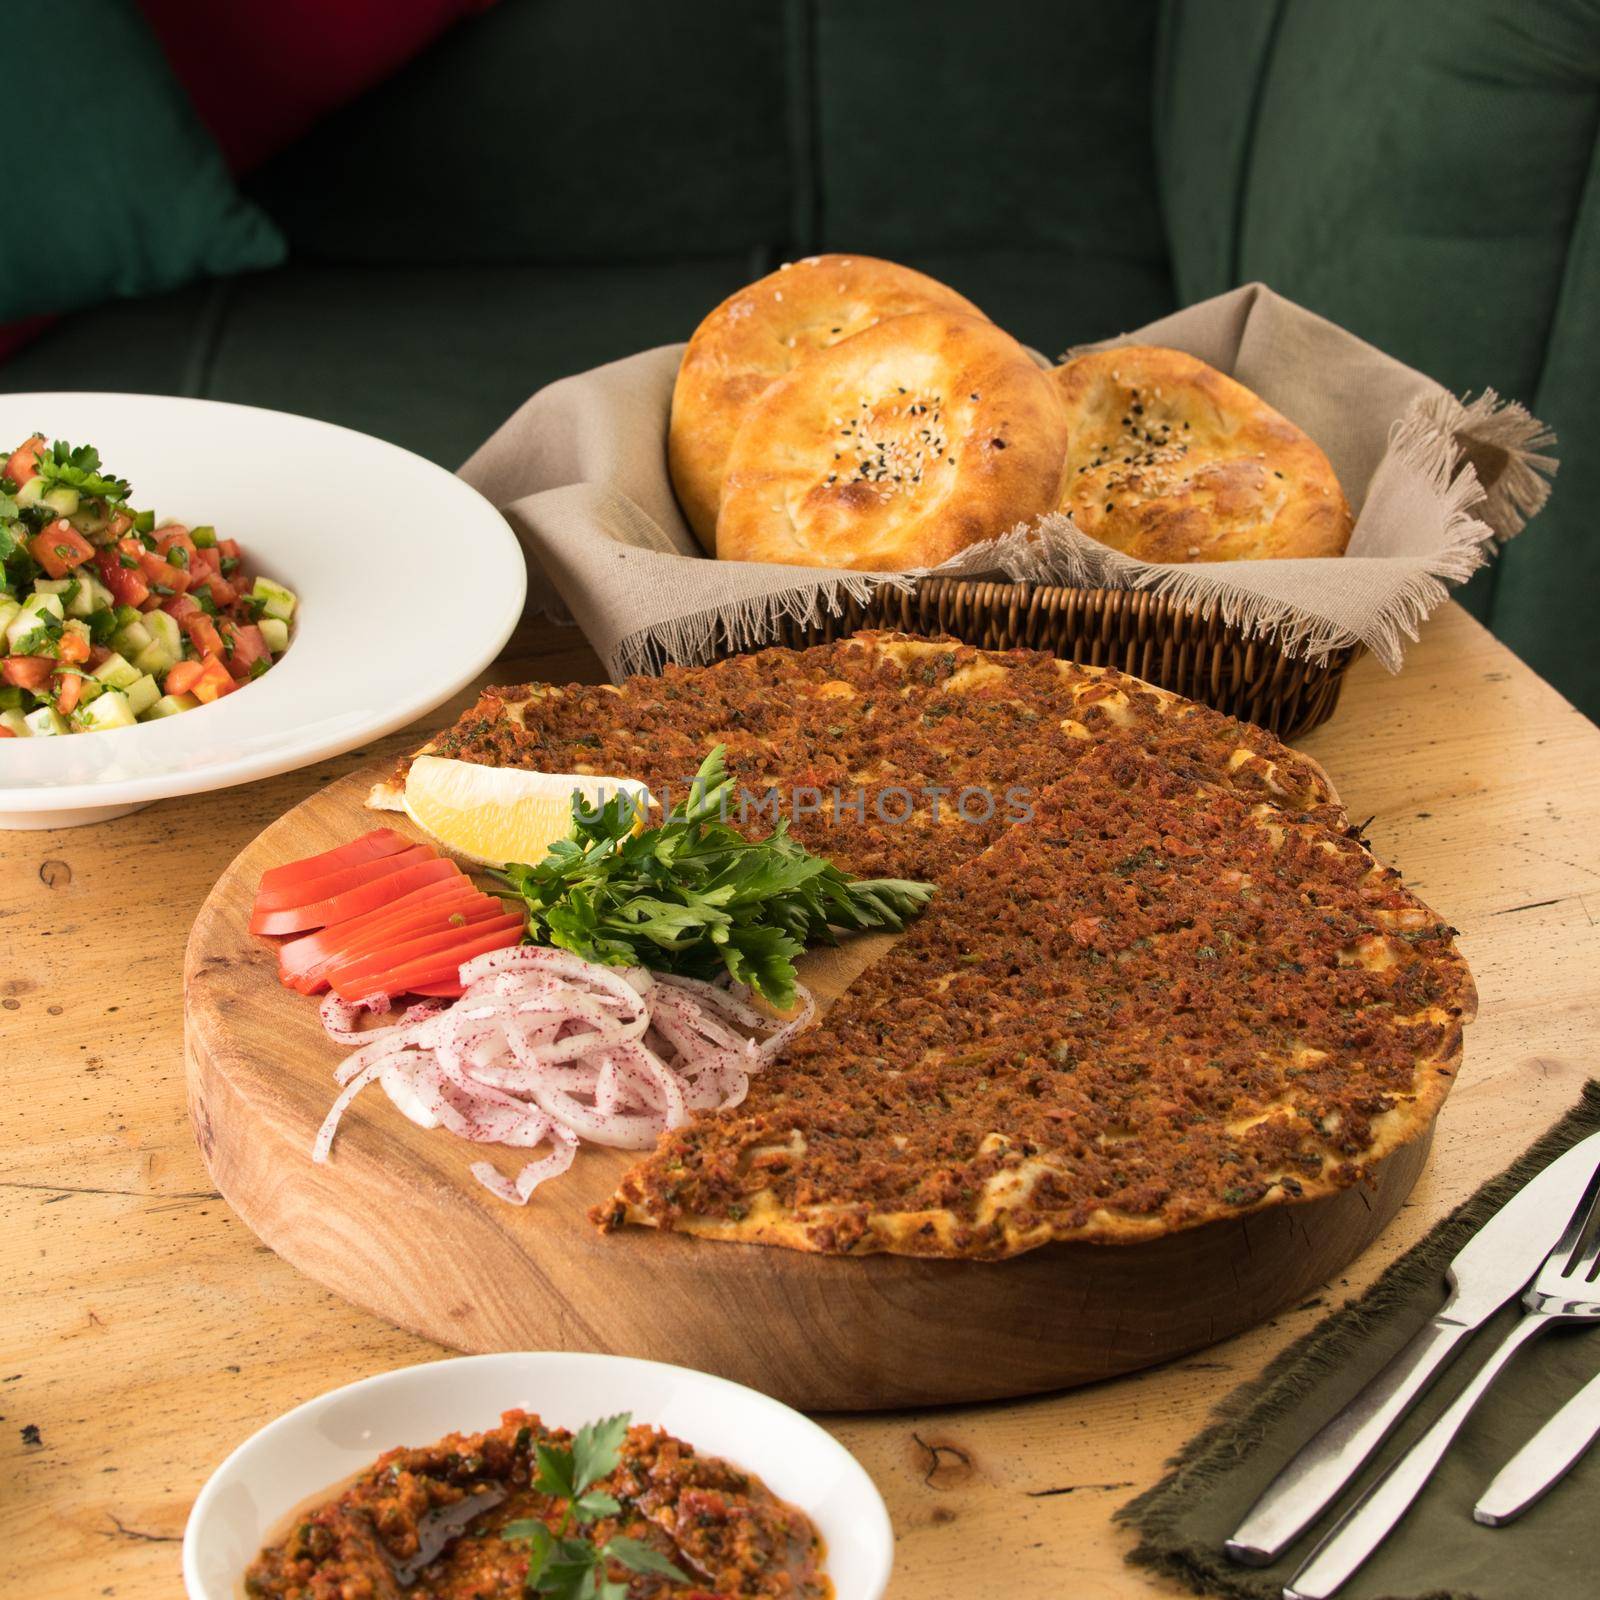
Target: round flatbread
(1171,460)
(759,334)
(895,449)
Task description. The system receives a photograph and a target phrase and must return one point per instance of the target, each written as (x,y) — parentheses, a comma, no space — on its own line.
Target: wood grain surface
(145,1331)
(395,1221)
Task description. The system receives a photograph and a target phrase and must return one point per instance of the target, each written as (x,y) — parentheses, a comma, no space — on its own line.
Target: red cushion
(260,72)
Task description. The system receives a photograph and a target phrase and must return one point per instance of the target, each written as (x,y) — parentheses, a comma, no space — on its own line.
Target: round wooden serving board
(395,1222)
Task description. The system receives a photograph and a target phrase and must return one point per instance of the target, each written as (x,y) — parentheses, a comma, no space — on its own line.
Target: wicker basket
(1155,638)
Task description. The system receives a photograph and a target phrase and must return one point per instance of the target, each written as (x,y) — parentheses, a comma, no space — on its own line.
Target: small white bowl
(409,584)
(323,1442)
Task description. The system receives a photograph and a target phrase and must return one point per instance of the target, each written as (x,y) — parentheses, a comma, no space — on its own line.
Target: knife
(1492,1267)
(1544,1460)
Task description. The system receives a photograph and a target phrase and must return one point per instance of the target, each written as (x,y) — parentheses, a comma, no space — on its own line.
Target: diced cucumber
(31,492)
(55,586)
(130,640)
(127,614)
(142,695)
(61,498)
(276,601)
(10,697)
(169,705)
(46,722)
(10,610)
(90,517)
(17,723)
(165,631)
(155,659)
(92,596)
(25,634)
(91,689)
(276,632)
(110,710)
(115,673)
(78,626)
(42,600)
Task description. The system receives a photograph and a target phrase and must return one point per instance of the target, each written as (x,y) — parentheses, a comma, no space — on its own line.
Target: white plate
(409,584)
(326,1440)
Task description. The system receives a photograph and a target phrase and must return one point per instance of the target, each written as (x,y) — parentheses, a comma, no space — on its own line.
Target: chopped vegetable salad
(107,617)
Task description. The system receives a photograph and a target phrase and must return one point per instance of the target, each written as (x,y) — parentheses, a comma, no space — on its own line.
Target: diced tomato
(24,460)
(183,677)
(162,573)
(248,647)
(354,901)
(6,733)
(205,563)
(223,593)
(304,891)
(176,537)
(202,633)
(358,976)
(74,648)
(379,842)
(59,547)
(126,584)
(119,525)
(214,681)
(180,606)
(439,967)
(228,547)
(68,687)
(27,672)
(98,656)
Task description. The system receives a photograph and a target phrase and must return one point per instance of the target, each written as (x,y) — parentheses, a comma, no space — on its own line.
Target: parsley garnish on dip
(612,1512)
(693,896)
(106,617)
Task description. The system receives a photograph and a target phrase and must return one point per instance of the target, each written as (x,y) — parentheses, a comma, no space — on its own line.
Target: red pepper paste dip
(429,1524)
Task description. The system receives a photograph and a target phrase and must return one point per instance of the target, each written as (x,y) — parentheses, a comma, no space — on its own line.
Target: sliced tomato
(59,547)
(359,976)
(27,672)
(68,687)
(439,967)
(23,462)
(73,647)
(379,842)
(307,891)
(248,647)
(303,962)
(126,584)
(354,901)
(182,677)
(214,681)
(307,969)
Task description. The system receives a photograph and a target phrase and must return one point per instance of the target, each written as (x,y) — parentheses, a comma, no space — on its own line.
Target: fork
(1564,1290)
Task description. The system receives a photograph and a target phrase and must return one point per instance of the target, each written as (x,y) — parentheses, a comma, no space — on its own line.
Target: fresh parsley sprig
(566,1567)
(79,468)
(694,896)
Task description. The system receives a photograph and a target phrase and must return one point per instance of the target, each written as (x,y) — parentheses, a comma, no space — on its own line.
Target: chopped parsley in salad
(108,618)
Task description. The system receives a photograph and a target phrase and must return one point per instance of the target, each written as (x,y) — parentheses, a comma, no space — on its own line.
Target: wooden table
(145,1331)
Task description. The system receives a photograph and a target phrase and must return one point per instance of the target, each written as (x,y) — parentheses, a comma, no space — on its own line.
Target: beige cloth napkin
(580,472)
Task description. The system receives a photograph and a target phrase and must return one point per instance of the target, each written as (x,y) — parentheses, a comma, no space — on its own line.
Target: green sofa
(560,182)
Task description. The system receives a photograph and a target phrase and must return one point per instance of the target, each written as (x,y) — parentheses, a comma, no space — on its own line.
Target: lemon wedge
(492,815)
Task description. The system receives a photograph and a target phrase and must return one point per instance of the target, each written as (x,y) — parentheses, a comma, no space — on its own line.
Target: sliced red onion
(544,1048)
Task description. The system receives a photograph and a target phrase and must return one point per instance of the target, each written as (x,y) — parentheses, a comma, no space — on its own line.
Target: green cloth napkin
(1438,1552)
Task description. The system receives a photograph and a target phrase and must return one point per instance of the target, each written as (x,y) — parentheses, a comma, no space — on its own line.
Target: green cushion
(556,131)
(117,189)
(433,358)
(1027,129)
